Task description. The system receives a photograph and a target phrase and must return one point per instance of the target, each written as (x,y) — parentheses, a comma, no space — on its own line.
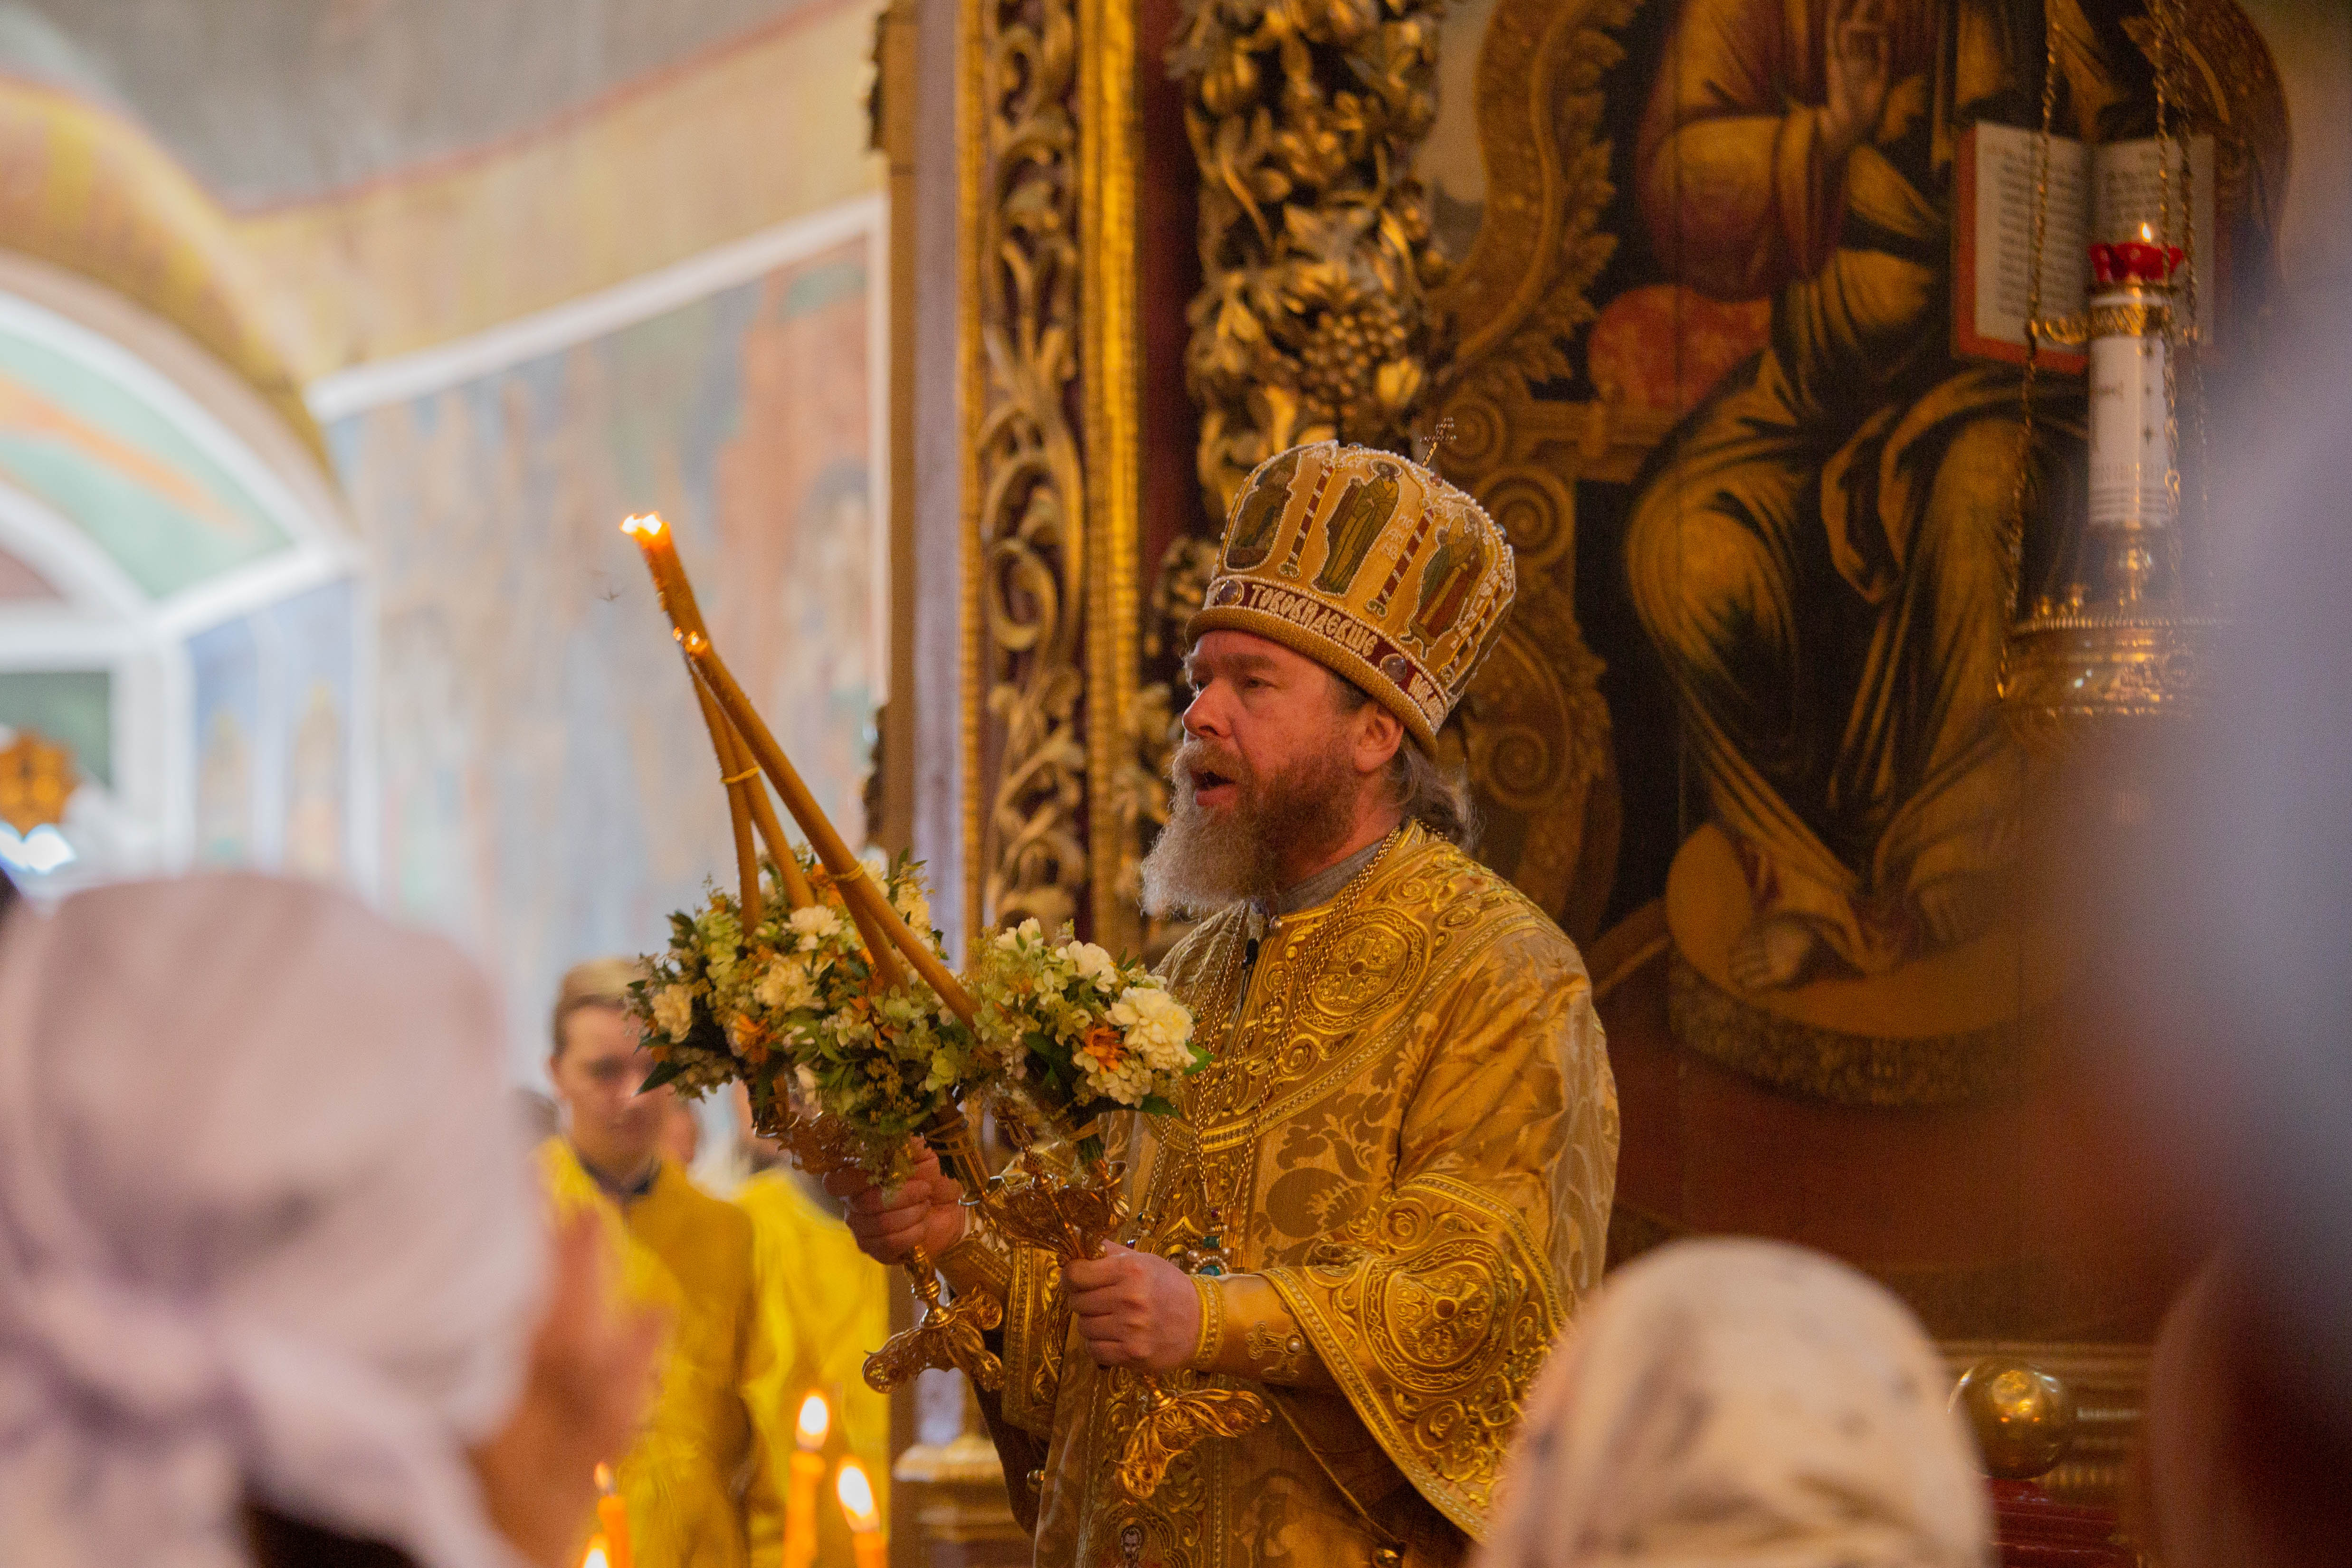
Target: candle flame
(604,1480)
(595,1558)
(816,1420)
(2148,233)
(645,527)
(857,1495)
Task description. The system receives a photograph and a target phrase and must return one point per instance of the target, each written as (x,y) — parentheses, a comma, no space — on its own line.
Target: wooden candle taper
(867,903)
(742,777)
(881,927)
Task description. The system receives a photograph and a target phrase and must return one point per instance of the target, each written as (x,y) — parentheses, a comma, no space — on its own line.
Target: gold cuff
(1212,1322)
(1250,1333)
(979,1262)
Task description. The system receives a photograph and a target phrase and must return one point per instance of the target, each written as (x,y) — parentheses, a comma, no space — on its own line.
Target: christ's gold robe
(1414,1108)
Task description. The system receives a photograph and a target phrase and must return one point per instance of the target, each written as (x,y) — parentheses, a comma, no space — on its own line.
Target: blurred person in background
(270,1258)
(681,1133)
(697,1482)
(1727,1403)
(827,1307)
(2225,977)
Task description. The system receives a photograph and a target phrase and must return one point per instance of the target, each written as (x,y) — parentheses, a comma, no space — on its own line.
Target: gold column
(894,136)
(1108,145)
(1047,317)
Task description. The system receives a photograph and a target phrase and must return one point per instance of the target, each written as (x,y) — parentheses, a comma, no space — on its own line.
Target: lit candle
(857,1495)
(808,1474)
(658,544)
(2131,455)
(609,1547)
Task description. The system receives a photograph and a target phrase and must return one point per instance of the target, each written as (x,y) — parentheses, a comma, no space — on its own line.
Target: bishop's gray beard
(1201,865)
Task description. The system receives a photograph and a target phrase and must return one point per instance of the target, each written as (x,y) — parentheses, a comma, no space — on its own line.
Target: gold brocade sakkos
(697,1481)
(1404,1153)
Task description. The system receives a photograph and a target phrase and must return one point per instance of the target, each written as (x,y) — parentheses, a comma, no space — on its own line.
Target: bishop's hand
(926,1211)
(1134,1309)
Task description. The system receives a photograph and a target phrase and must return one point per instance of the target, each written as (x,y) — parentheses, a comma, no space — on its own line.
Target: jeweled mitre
(1370,564)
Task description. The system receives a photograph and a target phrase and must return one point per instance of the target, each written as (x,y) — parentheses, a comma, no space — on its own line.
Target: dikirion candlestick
(803,1500)
(857,1496)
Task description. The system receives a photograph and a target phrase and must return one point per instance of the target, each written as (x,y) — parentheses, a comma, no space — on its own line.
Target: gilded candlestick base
(1174,1420)
(1071,1211)
(949,1337)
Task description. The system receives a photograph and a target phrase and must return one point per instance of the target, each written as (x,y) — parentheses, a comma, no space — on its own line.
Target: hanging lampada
(2122,639)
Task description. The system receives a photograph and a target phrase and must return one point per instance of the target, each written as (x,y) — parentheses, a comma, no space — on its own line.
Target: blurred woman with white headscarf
(1738,1404)
(270,1252)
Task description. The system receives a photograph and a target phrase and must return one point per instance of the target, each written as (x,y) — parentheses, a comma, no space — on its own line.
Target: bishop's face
(1259,712)
(612,1125)
(1267,781)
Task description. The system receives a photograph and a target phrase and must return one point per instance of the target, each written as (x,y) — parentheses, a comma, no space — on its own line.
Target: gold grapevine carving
(1026,499)
(1315,246)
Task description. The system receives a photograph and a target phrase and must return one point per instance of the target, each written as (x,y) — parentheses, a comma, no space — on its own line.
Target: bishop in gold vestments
(1393,1181)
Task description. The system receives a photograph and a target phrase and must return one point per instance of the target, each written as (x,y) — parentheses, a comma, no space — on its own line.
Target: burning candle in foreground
(857,1495)
(609,1546)
(808,1472)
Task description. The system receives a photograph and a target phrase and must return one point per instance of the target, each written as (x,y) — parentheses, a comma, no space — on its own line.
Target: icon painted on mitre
(1260,512)
(1454,567)
(1364,510)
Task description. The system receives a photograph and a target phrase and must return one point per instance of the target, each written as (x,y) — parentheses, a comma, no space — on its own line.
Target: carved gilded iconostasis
(1672,289)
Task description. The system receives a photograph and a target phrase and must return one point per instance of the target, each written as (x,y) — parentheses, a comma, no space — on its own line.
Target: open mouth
(1211,788)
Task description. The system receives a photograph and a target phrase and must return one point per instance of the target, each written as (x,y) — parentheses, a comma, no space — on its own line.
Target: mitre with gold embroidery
(1371,565)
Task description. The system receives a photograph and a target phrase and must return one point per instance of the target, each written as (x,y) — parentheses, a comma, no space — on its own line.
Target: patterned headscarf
(266,1228)
(1733,1404)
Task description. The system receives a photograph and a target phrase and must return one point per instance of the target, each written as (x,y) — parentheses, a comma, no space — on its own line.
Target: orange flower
(1103,1045)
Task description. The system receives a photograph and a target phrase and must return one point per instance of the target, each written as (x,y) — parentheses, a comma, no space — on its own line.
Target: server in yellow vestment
(697,1482)
(826,1307)
(1384,1193)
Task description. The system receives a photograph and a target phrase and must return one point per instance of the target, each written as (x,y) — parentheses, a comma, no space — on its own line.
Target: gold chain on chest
(1243,1077)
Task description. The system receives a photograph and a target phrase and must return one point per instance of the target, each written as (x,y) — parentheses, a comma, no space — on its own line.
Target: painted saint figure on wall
(1820,552)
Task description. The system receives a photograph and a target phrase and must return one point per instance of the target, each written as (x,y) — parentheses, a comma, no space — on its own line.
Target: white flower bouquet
(1071,1032)
(793,1009)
